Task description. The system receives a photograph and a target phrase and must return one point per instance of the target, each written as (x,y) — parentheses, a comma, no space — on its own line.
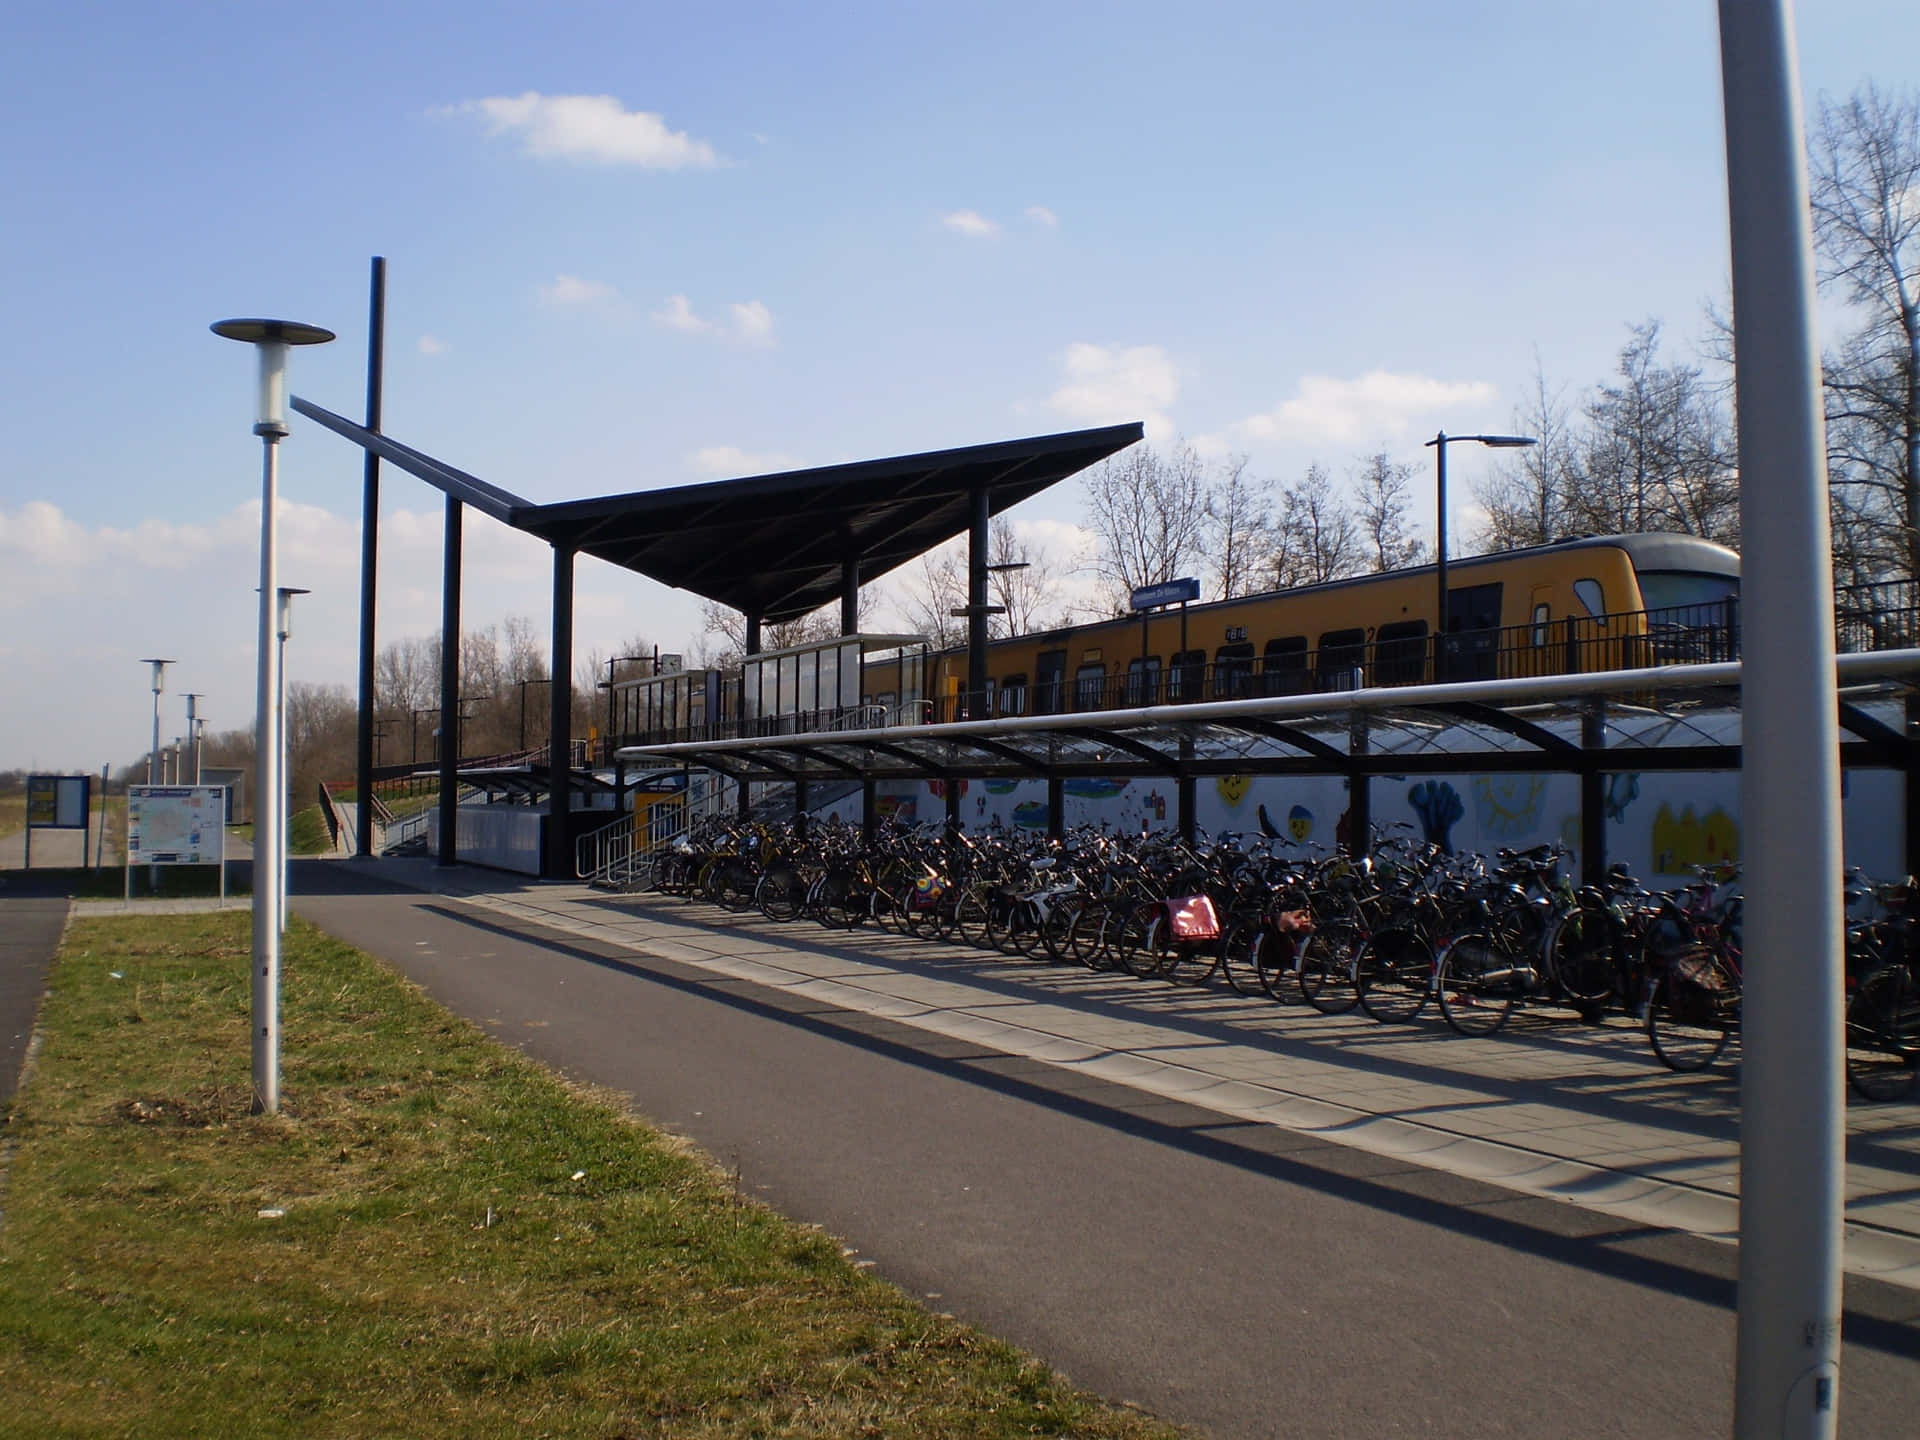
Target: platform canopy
(777,546)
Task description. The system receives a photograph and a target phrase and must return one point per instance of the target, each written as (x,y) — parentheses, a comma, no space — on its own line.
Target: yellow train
(1600,603)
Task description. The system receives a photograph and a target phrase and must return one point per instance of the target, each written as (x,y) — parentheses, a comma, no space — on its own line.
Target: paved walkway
(1584,1115)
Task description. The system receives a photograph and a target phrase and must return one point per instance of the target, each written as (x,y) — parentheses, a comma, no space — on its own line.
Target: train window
(1400,653)
(1591,597)
(1233,671)
(1540,616)
(1189,675)
(1049,682)
(1283,668)
(1013,695)
(1090,687)
(1342,652)
(1143,680)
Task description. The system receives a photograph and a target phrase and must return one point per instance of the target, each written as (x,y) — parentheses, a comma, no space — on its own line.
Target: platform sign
(1173,592)
(176,824)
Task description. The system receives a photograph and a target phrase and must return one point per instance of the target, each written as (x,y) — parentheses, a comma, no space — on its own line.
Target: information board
(176,825)
(58,802)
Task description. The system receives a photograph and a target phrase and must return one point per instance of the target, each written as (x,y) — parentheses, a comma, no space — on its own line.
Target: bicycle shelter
(1663,719)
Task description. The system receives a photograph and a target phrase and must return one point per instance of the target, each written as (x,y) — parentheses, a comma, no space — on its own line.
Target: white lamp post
(271,339)
(285,628)
(193,735)
(159,685)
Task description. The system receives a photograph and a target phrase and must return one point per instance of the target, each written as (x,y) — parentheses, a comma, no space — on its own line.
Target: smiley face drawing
(1299,823)
(1233,789)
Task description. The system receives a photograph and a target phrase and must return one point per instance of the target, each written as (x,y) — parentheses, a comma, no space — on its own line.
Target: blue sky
(636,245)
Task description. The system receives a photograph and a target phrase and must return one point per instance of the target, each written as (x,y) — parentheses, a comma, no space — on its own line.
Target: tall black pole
(450,683)
(977,543)
(1440,554)
(369,553)
(850,596)
(558,861)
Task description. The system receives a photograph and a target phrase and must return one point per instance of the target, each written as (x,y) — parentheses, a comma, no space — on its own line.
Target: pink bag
(1191,918)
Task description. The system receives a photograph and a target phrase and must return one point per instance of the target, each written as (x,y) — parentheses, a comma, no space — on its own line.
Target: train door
(1473,632)
(1540,647)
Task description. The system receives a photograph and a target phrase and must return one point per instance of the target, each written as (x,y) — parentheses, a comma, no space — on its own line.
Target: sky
(634,245)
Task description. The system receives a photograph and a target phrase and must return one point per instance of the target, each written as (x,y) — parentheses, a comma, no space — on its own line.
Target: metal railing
(613,854)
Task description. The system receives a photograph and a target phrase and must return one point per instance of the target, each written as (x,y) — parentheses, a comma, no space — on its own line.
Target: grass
(307,832)
(468,1247)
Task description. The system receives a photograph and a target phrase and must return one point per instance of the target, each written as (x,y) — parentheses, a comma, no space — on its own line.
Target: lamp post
(270,339)
(193,733)
(159,685)
(283,628)
(1439,445)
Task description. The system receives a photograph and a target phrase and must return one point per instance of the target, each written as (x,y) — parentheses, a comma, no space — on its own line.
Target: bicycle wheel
(970,918)
(1090,937)
(1883,1035)
(1582,961)
(1478,984)
(1695,1005)
(780,894)
(1394,973)
(1276,965)
(734,886)
(1236,957)
(1056,931)
(1193,962)
(1131,940)
(1326,970)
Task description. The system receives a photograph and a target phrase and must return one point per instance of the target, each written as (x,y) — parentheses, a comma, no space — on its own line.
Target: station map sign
(176,825)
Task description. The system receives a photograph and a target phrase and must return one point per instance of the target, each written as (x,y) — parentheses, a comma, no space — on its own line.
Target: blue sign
(1171,593)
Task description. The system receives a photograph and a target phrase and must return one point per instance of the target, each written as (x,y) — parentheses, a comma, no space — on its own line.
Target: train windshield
(1671,589)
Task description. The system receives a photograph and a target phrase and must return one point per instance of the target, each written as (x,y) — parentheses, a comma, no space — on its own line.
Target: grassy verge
(307,832)
(467,1246)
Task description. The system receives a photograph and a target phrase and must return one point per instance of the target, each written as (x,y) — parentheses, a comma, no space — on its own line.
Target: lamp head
(159,673)
(271,338)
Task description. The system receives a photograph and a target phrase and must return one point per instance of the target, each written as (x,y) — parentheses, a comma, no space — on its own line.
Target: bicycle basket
(1699,991)
(1191,917)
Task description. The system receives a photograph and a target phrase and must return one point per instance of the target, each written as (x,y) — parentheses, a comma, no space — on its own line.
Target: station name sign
(1173,592)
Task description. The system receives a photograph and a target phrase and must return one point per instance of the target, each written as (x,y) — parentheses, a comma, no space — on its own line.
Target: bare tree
(1865,183)
(1657,452)
(1025,581)
(1148,514)
(1239,530)
(1382,517)
(1316,538)
(1527,501)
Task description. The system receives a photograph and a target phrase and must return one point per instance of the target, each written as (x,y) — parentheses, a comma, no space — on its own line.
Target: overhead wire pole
(1792,1114)
(369,557)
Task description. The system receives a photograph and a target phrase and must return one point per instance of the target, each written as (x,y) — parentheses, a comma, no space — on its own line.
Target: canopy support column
(369,553)
(850,595)
(1593,797)
(1359,789)
(1056,808)
(449,685)
(974,701)
(557,863)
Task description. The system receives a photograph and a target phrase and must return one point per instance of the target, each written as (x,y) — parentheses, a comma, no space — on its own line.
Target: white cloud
(750,322)
(1041,215)
(572,290)
(433,345)
(593,129)
(1378,406)
(730,460)
(970,222)
(1108,384)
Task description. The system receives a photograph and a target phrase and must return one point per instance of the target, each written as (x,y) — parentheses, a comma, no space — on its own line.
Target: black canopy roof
(774,545)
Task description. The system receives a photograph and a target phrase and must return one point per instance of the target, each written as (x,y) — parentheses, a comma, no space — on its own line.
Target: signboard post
(176,825)
(1152,597)
(58,802)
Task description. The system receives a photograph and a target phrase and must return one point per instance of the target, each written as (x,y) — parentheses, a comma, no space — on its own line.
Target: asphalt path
(32,919)
(1235,1277)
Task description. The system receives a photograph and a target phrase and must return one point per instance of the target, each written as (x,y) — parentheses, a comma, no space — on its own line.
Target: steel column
(557,862)
(850,596)
(369,554)
(1593,795)
(450,684)
(978,542)
(1792,1111)
(1359,789)
(1056,808)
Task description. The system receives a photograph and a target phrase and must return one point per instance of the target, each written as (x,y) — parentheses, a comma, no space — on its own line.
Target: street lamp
(159,684)
(1439,445)
(283,628)
(193,732)
(271,340)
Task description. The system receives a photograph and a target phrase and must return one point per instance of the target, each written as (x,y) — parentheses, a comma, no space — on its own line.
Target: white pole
(267,803)
(280,741)
(1792,1130)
